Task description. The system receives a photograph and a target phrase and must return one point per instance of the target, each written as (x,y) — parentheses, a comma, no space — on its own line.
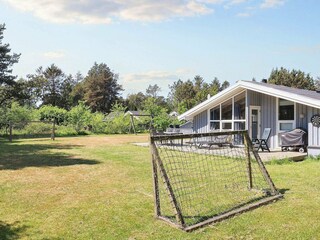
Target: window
(286,110)
(215,113)
(226,125)
(286,115)
(229,115)
(226,110)
(215,118)
(240,106)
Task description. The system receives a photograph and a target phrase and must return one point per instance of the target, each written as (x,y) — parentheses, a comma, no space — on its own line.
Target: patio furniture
(295,139)
(220,141)
(263,141)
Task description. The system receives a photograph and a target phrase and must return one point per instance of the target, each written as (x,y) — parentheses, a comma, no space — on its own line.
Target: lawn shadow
(11,231)
(18,156)
(283,190)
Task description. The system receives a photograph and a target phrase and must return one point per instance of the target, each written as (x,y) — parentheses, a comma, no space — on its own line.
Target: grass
(100,187)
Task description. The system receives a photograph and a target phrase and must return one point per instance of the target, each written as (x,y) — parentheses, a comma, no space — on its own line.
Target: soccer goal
(201,179)
(31,129)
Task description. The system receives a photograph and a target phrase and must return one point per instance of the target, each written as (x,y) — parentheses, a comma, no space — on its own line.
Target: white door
(255,122)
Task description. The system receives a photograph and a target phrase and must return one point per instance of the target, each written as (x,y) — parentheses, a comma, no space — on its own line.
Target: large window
(229,115)
(240,107)
(215,118)
(286,115)
(226,110)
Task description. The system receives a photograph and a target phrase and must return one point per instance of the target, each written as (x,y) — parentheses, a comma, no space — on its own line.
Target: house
(254,106)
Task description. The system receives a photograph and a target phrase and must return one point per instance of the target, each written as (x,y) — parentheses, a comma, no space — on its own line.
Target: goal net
(30,129)
(204,178)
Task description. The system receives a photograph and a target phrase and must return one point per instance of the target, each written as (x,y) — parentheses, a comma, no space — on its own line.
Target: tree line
(99,90)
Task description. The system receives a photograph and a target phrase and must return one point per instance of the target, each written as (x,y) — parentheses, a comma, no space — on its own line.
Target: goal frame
(12,125)
(158,167)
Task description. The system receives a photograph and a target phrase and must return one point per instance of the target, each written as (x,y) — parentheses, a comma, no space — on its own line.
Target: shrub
(117,121)
(79,117)
(97,123)
(50,113)
(63,131)
(36,129)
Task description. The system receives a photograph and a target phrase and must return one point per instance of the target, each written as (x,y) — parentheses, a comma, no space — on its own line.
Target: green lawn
(100,187)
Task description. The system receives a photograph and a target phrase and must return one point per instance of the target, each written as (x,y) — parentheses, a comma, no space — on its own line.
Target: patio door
(255,122)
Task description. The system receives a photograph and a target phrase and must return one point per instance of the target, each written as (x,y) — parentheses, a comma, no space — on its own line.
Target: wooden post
(132,124)
(155,181)
(263,169)
(169,188)
(249,168)
(53,130)
(10,131)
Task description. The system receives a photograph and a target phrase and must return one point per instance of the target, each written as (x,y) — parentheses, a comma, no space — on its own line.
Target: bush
(97,123)
(119,124)
(63,131)
(79,117)
(36,129)
(116,121)
(50,113)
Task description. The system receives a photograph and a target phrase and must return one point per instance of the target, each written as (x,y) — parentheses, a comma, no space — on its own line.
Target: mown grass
(100,187)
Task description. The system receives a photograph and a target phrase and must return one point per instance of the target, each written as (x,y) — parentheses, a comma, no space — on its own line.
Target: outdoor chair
(262,143)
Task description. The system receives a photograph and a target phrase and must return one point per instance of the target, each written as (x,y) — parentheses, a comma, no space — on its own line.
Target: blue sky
(158,42)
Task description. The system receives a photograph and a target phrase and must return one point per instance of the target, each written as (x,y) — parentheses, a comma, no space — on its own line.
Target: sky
(159,42)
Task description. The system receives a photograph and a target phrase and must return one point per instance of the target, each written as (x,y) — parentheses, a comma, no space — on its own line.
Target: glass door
(255,122)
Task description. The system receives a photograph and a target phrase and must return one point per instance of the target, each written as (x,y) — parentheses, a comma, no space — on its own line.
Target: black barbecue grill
(295,139)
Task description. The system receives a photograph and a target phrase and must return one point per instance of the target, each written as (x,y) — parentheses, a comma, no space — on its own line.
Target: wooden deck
(265,156)
(279,155)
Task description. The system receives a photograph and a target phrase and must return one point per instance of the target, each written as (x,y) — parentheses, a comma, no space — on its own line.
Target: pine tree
(293,78)
(6,61)
(101,88)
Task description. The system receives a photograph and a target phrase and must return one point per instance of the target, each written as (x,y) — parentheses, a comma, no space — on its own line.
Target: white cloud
(271,3)
(54,54)
(135,82)
(149,77)
(108,11)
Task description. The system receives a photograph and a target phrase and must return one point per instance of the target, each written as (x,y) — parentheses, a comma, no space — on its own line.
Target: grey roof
(136,113)
(305,97)
(297,91)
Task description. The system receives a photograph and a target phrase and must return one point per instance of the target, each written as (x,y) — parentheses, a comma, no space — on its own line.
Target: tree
(151,106)
(52,113)
(54,78)
(224,85)
(77,93)
(135,101)
(47,85)
(52,86)
(6,62)
(101,88)
(67,100)
(293,78)
(153,91)
(317,84)
(185,95)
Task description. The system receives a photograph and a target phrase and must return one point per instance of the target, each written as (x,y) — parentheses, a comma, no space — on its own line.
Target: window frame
(232,120)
